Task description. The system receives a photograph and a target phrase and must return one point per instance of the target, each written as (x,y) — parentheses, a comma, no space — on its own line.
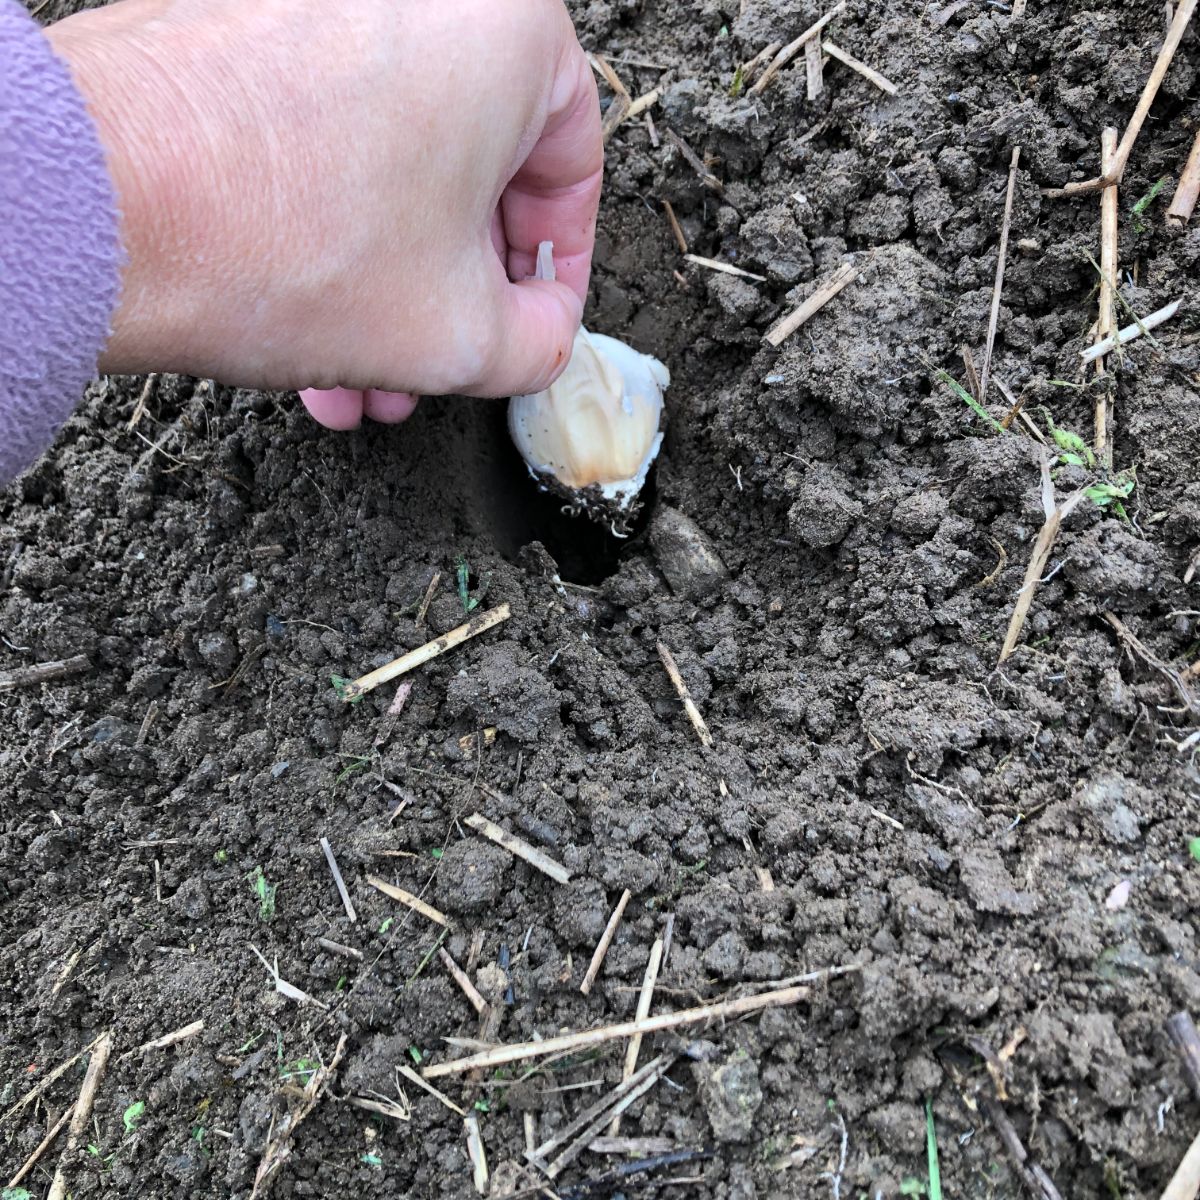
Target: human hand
(341,196)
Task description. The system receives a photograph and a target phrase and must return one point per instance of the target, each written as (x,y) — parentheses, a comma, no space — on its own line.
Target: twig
(575,1135)
(426,653)
(82,1111)
(1131,332)
(604,1184)
(652,132)
(395,1109)
(1018,9)
(998,289)
(413,902)
(845,275)
(631,1145)
(1108,274)
(42,1147)
(673,221)
(1138,647)
(139,409)
(44,672)
(1185,1183)
(290,990)
(340,883)
(621,102)
(1182,1032)
(167,1039)
(1183,203)
(337,948)
(814,63)
(645,999)
(522,849)
(426,1086)
(427,599)
(696,163)
(882,82)
(793,48)
(500,1055)
(478,1003)
(681,689)
(610,931)
(715,264)
(1183,14)
(476,1154)
(1055,515)
(278,1147)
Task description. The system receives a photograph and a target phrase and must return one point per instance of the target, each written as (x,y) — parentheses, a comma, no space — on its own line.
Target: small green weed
(356,763)
(1111,493)
(911,1187)
(387,923)
(341,686)
(739,82)
(131,1118)
(264,893)
(302,1070)
(416,1055)
(931,1146)
(462,573)
(15,1193)
(961,392)
(1139,209)
(221,857)
(372,1160)
(1194,848)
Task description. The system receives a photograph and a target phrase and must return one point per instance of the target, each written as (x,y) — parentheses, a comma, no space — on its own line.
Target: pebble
(686,555)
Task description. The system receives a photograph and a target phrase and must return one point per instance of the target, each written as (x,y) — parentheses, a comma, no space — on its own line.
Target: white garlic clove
(592,435)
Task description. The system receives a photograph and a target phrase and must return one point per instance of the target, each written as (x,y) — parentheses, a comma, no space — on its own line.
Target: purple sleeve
(60,252)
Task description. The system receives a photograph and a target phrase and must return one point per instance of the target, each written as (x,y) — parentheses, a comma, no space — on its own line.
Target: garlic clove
(593,434)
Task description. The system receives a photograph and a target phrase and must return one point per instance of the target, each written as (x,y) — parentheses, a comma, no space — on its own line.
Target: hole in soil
(520,513)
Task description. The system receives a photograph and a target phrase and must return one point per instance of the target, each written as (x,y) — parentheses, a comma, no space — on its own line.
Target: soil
(832,548)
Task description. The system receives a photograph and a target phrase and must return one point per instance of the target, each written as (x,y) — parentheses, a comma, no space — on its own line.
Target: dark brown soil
(954,828)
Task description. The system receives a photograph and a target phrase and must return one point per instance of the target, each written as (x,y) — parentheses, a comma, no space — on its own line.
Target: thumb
(535,329)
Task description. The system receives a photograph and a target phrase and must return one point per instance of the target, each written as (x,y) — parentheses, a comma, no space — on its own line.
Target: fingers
(337,408)
(556,192)
(344,408)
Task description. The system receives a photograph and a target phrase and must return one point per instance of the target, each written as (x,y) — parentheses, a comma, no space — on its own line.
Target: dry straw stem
(414,902)
(1055,514)
(1130,332)
(139,409)
(82,1112)
(1182,1032)
(1185,1183)
(577,1133)
(681,689)
(337,948)
(1183,14)
(845,275)
(631,1145)
(1108,273)
(62,1068)
(610,931)
(42,1147)
(645,999)
(478,1003)
(167,1039)
(644,101)
(696,163)
(338,881)
(751,65)
(44,672)
(882,82)
(427,599)
(426,653)
(425,1086)
(715,264)
(1183,204)
(785,56)
(673,221)
(814,64)
(278,1147)
(621,103)
(476,1154)
(498,1056)
(998,289)
(514,845)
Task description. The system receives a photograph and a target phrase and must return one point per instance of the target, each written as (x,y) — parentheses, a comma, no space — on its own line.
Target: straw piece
(1130,332)
(610,931)
(43,672)
(750,66)
(42,1147)
(681,689)
(339,882)
(621,103)
(1108,274)
(845,275)
(39,1087)
(522,849)
(426,653)
(882,82)
(413,902)
(644,101)
(82,1111)
(814,63)
(476,1153)
(998,289)
(793,48)
(478,1003)
(1185,1183)
(715,264)
(167,1039)
(676,229)
(426,1086)
(1183,204)
(645,999)
(500,1055)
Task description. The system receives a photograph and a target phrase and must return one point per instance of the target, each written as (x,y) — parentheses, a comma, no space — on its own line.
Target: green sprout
(372,1160)
(931,1146)
(969,400)
(436,852)
(416,1055)
(388,922)
(131,1118)
(341,686)
(264,892)
(1194,848)
(221,857)
(356,763)
(1111,494)
(15,1193)
(1073,450)
(739,82)
(303,1069)
(462,573)
(1139,209)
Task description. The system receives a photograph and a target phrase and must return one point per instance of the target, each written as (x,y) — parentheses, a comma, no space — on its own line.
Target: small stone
(686,555)
(218,651)
(190,899)
(731,1095)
